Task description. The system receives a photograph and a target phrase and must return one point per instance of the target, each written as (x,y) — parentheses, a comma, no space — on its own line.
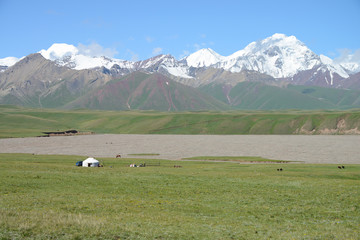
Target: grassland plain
(25,122)
(47,197)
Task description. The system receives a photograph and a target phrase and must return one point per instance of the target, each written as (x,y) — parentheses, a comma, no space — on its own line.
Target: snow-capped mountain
(203,58)
(52,77)
(351,62)
(69,56)
(351,67)
(278,56)
(166,64)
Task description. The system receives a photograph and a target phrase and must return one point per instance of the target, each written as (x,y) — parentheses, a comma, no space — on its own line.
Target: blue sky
(136,30)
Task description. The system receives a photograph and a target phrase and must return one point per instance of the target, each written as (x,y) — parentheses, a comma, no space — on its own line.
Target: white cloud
(349,59)
(157,51)
(96,50)
(346,55)
(8,61)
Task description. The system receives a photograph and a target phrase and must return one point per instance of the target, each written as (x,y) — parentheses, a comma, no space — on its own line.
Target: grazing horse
(339,167)
(177,166)
(118,156)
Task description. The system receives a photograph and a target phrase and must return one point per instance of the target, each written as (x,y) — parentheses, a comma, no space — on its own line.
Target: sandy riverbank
(338,149)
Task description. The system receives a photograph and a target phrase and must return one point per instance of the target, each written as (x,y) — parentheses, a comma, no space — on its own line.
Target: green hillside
(340,98)
(143,91)
(24,122)
(256,95)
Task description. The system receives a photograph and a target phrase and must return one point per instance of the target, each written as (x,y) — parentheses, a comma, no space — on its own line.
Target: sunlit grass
(48,197)
(25,122)
(245,159)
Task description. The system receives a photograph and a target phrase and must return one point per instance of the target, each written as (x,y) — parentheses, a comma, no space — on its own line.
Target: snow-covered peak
(70,56)
(276,36)
(279,37)
(166,62)
(8,61)
(333,67)
(59,51)
(351,67)
(326,60)
(271,46)
(349,60)
(279,56)
(203,58)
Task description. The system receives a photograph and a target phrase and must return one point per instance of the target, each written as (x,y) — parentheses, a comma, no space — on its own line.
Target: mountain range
(279,72)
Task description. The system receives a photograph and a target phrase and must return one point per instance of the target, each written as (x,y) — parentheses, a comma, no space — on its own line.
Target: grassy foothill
(48,197)
(27,122)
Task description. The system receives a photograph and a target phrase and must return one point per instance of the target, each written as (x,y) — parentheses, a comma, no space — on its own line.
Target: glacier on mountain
(350,60)
(279,56)
(203,58)
(69,56)
(333,67)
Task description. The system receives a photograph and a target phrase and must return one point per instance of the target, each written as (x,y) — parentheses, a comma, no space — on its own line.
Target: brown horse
(118,156)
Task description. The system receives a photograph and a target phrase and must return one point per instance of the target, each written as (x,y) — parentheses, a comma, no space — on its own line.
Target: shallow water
(339,149)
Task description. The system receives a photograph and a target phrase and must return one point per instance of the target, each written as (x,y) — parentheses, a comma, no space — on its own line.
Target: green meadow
(48,197)
(27,122)
(240,159)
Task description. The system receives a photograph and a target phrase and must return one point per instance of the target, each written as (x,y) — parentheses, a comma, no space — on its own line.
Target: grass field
(25,122)
(47,197)
(243,159)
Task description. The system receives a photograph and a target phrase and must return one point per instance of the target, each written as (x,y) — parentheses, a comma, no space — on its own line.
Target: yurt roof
(90,159)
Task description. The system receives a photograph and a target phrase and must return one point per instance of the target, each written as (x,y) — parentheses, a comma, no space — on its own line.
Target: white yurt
(90,162)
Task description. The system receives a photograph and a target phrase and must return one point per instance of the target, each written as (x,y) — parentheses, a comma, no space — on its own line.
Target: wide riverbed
(338,149)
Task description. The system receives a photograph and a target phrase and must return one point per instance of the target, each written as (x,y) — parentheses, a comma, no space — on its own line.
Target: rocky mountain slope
(255,77)
(145,91)
(279,56)
(36,81)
